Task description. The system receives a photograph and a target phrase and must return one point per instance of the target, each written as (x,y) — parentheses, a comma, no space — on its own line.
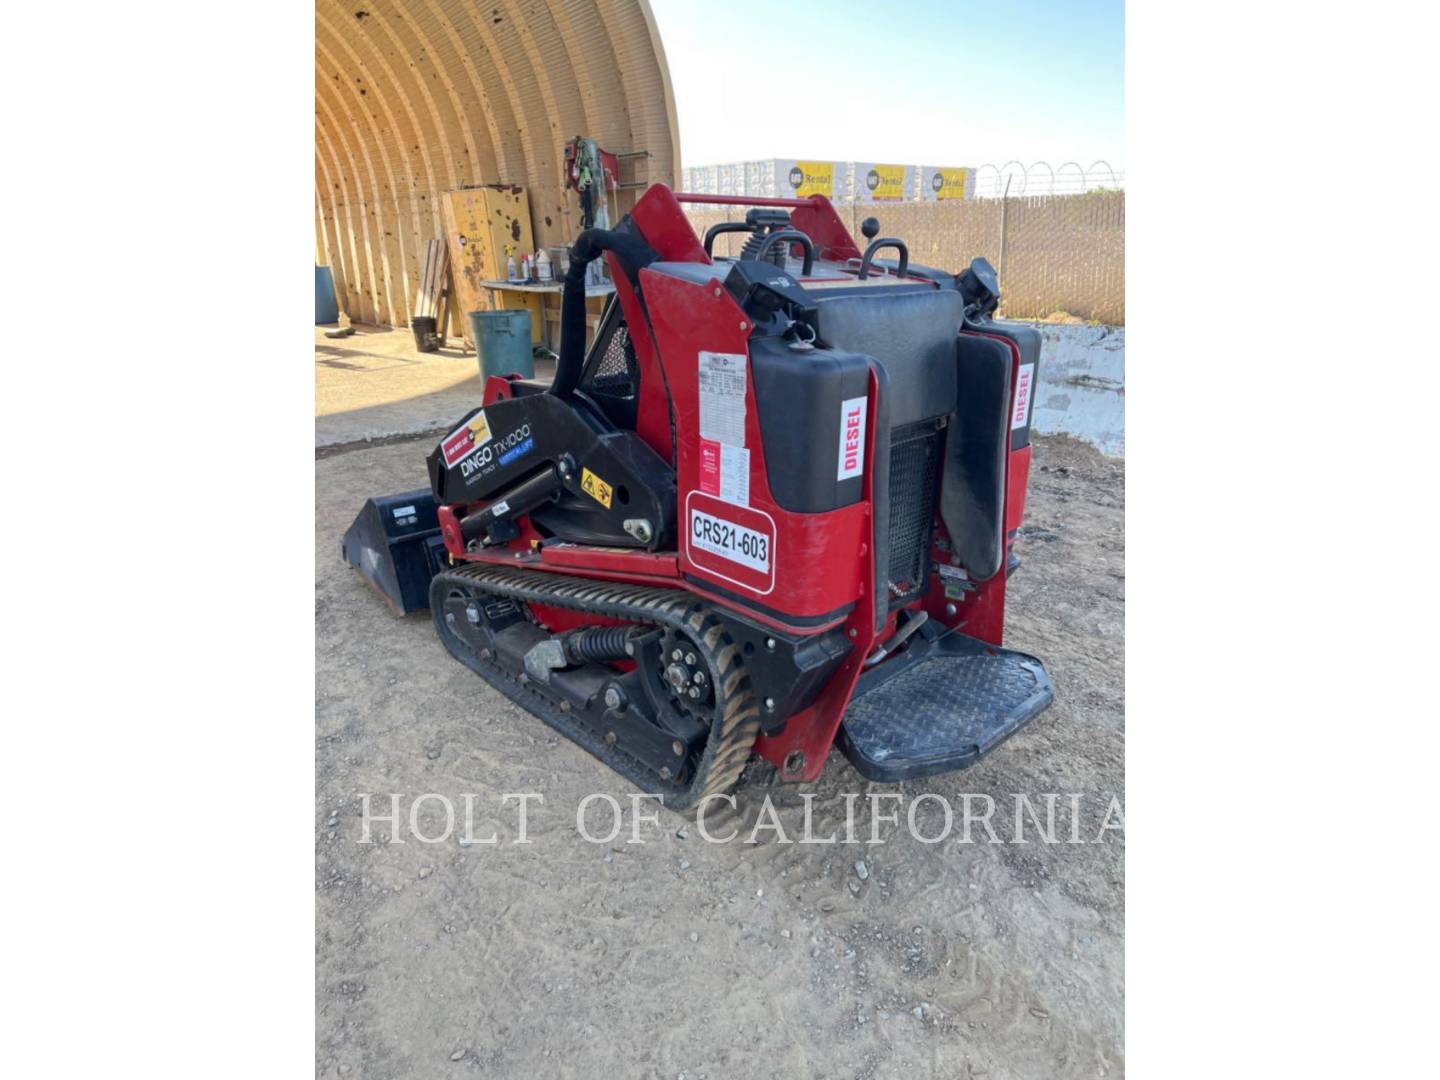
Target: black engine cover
(609,477)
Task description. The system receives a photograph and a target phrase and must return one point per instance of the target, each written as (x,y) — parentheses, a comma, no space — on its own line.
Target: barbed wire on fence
(1041,178)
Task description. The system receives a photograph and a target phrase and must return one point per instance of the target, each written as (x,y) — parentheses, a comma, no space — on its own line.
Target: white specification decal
(1024,391)
(730,541)
(852,438)
(403,511)
(722,397)
(735,474)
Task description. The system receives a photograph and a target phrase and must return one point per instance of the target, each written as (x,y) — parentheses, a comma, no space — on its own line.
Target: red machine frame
(824,558)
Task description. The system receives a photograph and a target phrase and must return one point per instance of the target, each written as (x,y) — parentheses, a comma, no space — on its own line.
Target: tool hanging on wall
(584,163)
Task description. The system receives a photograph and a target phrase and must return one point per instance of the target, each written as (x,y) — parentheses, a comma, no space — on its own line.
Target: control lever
(919,619)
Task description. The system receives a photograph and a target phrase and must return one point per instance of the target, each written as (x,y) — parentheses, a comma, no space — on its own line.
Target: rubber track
(736,720)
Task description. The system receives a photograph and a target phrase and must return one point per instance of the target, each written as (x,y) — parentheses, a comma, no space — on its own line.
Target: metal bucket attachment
(396,546)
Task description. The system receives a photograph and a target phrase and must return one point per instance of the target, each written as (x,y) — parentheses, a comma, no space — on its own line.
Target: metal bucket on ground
(426,339)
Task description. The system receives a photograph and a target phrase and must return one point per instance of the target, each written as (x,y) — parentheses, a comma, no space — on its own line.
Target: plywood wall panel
(417,97)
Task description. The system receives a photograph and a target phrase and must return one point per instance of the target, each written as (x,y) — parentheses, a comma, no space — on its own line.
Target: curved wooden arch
(417,97)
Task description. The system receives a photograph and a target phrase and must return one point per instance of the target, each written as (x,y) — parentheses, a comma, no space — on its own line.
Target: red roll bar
(744,200)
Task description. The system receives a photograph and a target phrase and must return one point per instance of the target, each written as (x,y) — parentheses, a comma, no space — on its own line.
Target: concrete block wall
(1082,385)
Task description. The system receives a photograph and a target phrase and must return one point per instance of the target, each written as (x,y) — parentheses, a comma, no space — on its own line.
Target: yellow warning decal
(596,488)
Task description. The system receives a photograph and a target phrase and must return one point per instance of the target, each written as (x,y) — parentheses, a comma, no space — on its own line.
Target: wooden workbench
(592,292)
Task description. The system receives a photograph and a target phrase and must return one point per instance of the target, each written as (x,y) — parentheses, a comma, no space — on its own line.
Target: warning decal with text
(721,379)
(725,471)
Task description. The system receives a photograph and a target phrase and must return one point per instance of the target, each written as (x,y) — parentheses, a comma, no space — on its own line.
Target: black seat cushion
(912,336)
(972,489)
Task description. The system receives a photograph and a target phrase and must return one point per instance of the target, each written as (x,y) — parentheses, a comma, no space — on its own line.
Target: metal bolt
(853,632)
(950,611)
(678,747)
(769,704)
(717,290)
(699,678)
(629,648)
(473,614)
(485,654)
(744,325)
(609,738)
(564,706)
(690,658)
(524,679)
(770,643)
(677,655)
(450,619)
(614,699)
(694,691)
(665,773)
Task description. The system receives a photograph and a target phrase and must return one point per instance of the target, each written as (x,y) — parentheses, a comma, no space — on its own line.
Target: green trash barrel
(502,342)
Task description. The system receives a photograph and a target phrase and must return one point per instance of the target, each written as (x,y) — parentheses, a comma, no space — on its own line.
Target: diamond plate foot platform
(939,706)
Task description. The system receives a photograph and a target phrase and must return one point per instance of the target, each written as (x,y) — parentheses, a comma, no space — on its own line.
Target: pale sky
(933,82)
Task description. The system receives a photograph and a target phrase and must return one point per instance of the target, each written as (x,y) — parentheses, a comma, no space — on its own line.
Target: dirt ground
(676,957)
(375,385)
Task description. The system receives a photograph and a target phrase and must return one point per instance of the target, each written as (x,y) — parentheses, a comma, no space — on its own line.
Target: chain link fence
(1058,256)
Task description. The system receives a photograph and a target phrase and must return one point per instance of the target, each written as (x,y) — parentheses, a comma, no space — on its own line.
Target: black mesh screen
(914,464)
(616,373)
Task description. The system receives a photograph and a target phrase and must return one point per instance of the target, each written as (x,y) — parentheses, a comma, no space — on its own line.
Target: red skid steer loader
(771,508)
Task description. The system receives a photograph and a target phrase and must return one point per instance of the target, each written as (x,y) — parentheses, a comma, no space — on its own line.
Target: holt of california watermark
(601,818)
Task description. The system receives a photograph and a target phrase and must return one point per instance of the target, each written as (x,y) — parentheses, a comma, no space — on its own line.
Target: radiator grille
(914,465)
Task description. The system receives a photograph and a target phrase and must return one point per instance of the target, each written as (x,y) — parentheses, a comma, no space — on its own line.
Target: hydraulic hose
(633,254)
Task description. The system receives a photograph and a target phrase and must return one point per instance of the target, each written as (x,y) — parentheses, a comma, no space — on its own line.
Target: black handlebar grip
(724,227)
(791,236)
(884,242)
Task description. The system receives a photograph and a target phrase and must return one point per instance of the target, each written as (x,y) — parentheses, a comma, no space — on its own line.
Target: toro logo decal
(466,439)
(852,438)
